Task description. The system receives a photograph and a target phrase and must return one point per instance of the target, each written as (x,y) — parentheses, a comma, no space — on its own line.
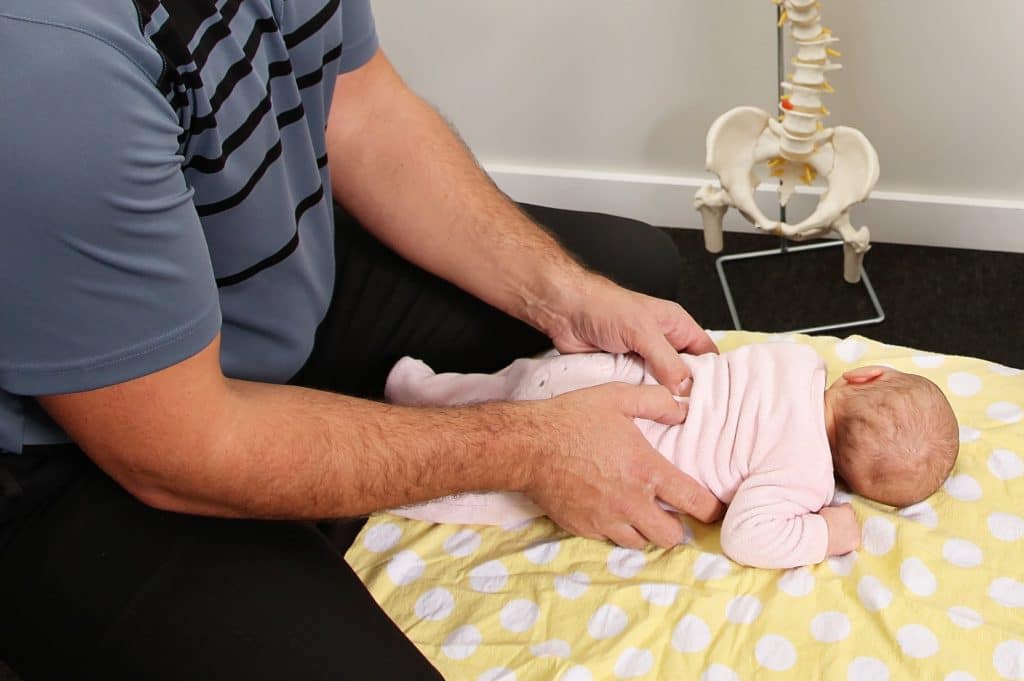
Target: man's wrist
(552,300)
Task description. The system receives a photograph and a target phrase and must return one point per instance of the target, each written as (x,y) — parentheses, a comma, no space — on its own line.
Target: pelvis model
(797,148)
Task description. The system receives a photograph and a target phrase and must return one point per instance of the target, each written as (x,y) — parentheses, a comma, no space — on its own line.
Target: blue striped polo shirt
(163,177)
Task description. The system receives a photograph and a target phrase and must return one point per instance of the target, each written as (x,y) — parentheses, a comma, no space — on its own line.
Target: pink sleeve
(766,527)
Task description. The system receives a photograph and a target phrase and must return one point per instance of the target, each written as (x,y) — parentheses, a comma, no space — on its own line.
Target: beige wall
(630,86)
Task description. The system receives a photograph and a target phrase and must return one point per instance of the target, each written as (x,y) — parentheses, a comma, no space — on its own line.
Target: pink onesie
(754,436)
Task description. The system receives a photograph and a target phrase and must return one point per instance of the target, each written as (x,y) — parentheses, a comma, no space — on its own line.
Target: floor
(949,301)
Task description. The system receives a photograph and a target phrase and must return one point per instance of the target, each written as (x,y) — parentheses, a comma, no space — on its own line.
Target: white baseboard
(667,201)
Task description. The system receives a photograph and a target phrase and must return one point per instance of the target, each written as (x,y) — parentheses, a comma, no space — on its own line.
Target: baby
(762,434)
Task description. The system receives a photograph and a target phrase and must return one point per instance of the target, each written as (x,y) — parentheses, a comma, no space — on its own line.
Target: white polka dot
(965,617)
(1004,412)
(867,669)
(1008,659)
(572,586)
(462,642)
(916,576)
(743,609)
(515,525)
(928,361)
(691,635)
(577,673)
(797,582)
(1005,465)
(850,350)
(878,536)
(607,621)
(519,615)
(497,674)
(710,566)
(719,672)
(542,552)
(962,553)
(1008,592)
(489,577)
(962,487)
(1003,370)
(841,497)
(959,676)
(874,596)
(625,563)
(969,434)
(556,647)
(381,538)
(634,662)
(660,593)
(964,384)
(461,544)
(829,627)
(1006,526)
(405,567)
(842,565)
(435,605)
(922,513)
(775,652)
(917,641)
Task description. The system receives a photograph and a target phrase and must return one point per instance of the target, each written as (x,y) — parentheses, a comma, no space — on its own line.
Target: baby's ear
(863,375)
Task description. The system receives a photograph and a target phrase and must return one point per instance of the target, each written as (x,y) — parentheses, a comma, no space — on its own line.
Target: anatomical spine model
(797,148)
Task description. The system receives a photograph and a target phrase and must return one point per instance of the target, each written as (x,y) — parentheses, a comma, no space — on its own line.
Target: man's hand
(610,318)
(843,530)
(600,478)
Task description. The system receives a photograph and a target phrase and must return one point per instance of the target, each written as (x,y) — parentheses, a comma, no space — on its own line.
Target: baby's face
(894,435)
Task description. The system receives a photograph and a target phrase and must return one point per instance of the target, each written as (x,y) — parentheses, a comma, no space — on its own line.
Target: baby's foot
(406,373)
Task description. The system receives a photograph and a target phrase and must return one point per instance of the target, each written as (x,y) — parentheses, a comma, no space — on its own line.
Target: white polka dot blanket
(936,590)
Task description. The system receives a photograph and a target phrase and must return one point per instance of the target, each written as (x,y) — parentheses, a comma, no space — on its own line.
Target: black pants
(96,585)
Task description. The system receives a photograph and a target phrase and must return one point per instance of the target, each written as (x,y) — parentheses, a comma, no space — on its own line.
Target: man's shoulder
(92,31)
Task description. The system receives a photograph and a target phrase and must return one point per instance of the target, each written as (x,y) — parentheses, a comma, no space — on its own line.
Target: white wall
(605,103)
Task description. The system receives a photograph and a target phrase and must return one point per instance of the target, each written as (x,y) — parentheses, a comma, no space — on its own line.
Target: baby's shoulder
(804,469)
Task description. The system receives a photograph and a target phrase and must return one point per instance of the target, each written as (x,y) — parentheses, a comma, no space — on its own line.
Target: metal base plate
(784,249)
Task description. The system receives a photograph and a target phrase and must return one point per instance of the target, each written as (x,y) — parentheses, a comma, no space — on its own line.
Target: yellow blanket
(935,592)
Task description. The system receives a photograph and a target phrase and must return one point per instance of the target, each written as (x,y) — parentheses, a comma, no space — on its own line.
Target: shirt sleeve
(104,271)
(359,34)
(766,527)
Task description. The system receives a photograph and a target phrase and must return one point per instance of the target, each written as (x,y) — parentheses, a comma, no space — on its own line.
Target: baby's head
(894,436)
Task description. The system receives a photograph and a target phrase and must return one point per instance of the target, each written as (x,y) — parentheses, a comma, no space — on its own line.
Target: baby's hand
(843,530)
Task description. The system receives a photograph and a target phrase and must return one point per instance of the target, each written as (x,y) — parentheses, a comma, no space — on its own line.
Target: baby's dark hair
(904,425)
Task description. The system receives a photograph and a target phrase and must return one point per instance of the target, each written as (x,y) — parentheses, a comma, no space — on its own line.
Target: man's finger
(659,526)
(663,362)
(685,334)
(652,402)
(626,537)
(687,495)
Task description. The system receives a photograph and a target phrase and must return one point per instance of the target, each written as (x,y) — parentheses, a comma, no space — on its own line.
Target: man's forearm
(288,452)
(399,168)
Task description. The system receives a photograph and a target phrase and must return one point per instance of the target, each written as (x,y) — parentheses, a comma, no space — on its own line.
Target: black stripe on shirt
(314,24)
(205,122)
(204,164)
(272,155)
(286,250)
(215,33)
(314,77)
